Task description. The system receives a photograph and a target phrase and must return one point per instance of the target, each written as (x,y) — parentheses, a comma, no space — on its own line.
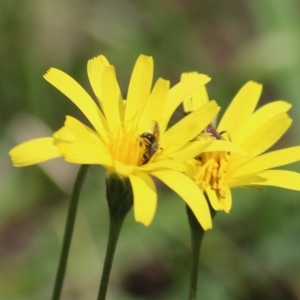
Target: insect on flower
(123,139)
(150,139)
(213,133)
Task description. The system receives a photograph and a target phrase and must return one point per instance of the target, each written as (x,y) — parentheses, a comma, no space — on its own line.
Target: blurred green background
(252,253)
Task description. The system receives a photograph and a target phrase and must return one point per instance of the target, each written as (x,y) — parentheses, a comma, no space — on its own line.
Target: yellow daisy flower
(254,131)
(129,138)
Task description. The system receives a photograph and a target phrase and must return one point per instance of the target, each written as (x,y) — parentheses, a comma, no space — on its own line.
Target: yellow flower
(129,138)
(254,131)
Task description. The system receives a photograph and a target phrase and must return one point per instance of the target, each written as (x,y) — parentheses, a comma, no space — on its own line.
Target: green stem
(197,234)
(115,226)
(120,199)
(60,275)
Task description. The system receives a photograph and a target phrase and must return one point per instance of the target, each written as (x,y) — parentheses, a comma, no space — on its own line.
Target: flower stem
(68,232)
(114,231)
(120,199)
(197,233)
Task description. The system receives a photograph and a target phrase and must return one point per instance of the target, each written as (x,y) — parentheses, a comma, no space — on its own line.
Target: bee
(214,134)
(150,138)
(210,129)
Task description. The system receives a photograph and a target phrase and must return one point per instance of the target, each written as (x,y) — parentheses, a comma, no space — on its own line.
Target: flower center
(211,171)
(130,148)
(126,147)
(211,167)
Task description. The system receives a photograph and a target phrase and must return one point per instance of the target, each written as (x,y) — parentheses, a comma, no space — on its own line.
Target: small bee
(212,132)
(151,138)
(210,129)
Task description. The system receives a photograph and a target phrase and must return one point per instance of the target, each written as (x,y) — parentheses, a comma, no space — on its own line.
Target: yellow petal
(268,161)
(190,169)
(123,170)
(178,93)
(281,178)
(74,130)
(227,201)
(189,192)
(112,100)
(64,134)
(139,87)
(197,99)
(245,181)
(267,135)
(262,115)
(240,109)
(69,87)
(85,153)
(95,69)
(189,151)
(154,106)
(33,152)
(191,125)
(165,163)
(145,197)
(220,145)
(213,199)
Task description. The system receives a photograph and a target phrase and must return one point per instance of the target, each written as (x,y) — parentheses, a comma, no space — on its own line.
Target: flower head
(255,131)
(129,137)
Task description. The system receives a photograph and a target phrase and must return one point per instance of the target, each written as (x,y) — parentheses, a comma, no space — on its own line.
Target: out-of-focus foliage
(252,253)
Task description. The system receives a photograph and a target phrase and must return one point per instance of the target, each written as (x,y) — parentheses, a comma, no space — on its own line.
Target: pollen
(126,147)
(211,171)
